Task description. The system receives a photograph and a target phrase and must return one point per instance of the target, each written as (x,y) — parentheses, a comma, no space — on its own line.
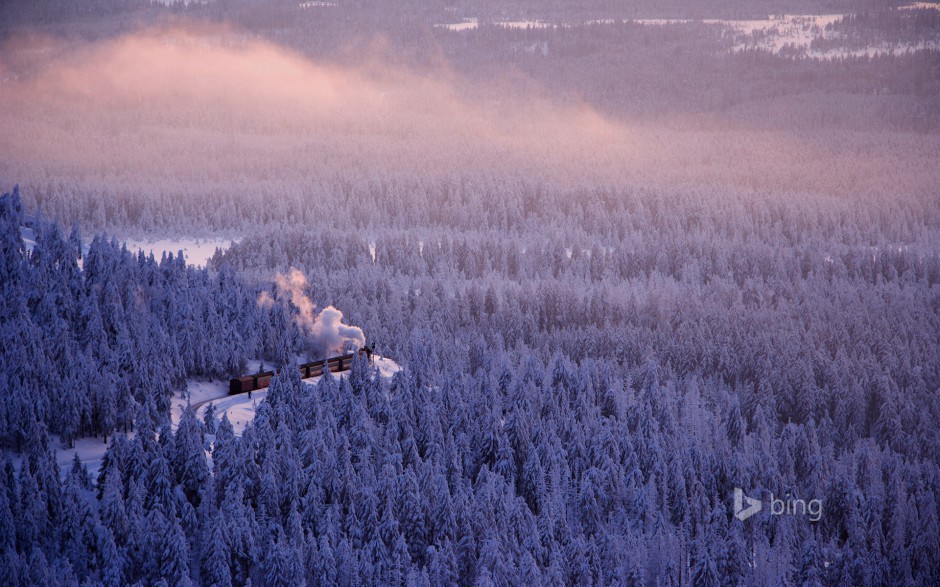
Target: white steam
(325,327)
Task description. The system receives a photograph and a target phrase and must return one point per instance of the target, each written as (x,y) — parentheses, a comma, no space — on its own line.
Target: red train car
(248,383)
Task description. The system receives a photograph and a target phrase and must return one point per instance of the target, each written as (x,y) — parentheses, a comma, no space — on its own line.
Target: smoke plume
(325,328)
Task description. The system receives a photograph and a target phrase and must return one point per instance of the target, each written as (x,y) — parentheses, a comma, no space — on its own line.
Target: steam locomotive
(338,364)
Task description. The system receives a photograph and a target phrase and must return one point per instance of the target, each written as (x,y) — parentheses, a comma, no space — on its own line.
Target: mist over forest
(605,272)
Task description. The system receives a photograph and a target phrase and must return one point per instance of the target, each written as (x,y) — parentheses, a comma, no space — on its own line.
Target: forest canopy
(633,271)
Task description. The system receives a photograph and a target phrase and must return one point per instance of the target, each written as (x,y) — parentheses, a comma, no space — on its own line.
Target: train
(249,383)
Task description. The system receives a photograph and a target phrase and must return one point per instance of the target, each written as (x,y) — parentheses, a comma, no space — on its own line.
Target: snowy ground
(240,410)
(774,33)
(29,237)
(196,251)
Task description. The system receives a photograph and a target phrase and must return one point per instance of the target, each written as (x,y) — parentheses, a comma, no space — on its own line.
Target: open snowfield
(196,251)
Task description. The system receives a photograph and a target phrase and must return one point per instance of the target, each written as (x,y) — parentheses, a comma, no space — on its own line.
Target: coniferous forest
(636,264)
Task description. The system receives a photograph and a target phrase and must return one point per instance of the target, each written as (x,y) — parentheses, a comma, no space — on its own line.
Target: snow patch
(469,24)
(197,252)
(29,237)
(240,408)
(776,33)
(921,6)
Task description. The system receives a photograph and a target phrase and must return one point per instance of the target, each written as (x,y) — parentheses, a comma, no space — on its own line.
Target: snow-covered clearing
(196,251)
(241,408)
(29,237)
(775,33)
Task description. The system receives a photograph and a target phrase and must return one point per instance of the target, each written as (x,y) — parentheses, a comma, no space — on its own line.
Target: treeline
(705,75)
(53,15)
(892,208)
(520,9)
(909,26)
